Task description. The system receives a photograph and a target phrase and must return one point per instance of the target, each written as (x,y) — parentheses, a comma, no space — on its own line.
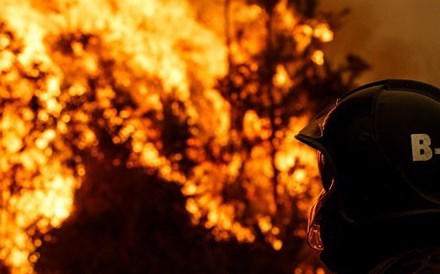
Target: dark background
(399,38)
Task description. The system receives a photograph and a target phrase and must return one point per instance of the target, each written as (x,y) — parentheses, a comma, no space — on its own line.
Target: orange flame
(153,52)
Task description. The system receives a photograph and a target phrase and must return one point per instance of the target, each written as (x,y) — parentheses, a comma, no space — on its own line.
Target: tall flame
(68,68)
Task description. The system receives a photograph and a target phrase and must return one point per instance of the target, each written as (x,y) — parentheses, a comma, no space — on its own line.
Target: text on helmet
(420,146)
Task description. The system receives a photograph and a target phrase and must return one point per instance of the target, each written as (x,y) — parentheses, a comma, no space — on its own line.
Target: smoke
(399,38)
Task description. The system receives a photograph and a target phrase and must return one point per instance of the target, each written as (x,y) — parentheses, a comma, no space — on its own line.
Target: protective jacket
(416,261)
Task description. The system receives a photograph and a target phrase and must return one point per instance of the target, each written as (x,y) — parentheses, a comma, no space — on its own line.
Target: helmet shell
(383,142)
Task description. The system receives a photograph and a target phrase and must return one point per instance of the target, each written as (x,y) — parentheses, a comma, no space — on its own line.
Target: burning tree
(103,107)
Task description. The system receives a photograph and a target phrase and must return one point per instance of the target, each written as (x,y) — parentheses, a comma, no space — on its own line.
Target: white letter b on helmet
(421,151)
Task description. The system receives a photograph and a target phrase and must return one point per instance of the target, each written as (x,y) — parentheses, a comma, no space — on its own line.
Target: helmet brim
(312,134)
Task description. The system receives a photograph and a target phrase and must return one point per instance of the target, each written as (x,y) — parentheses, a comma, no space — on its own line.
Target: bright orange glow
(318,57)
(277,244)
(281,78)
(69,67)
(322,31)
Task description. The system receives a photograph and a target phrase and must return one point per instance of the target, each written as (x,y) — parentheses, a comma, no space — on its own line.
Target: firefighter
(379,160)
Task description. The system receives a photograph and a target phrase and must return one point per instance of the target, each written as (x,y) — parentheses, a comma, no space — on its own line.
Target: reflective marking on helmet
(421,151)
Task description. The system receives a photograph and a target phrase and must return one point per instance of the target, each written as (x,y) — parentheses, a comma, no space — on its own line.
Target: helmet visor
(314,221)
(312,135)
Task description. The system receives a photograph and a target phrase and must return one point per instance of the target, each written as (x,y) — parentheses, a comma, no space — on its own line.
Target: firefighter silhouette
(379,159)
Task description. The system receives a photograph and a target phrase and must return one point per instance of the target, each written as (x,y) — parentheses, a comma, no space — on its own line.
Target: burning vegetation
(206,97)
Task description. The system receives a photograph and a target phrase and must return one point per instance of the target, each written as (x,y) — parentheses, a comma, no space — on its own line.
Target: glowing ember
(70,69)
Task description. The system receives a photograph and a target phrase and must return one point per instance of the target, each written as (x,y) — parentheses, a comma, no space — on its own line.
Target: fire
(70,69)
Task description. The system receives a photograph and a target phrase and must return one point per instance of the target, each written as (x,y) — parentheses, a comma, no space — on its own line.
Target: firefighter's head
(379,159)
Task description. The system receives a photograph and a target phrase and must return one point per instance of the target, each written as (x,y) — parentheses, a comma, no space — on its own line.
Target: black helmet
(378,149)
